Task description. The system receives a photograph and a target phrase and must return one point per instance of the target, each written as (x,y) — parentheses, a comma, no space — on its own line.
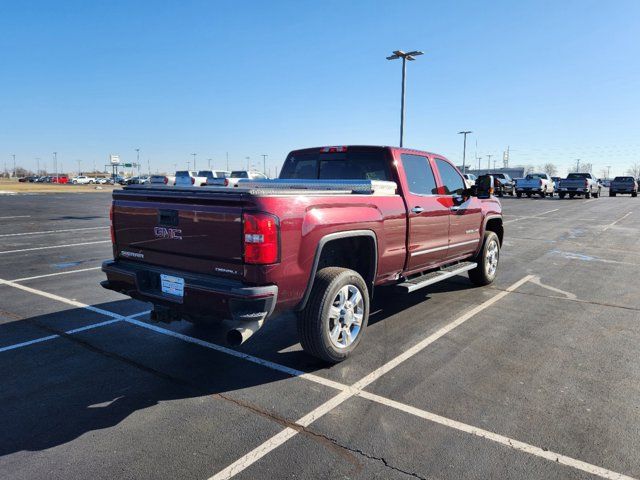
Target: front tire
(587,195)
(487,260)
(335,318)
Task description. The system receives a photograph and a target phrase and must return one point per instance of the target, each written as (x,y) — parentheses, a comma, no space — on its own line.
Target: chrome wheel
(492,255)
(345,316)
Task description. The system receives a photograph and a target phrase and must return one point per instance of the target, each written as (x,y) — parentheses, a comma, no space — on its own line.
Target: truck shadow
(56,391)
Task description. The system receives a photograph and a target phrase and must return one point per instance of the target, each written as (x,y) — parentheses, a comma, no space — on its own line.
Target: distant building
(513,172)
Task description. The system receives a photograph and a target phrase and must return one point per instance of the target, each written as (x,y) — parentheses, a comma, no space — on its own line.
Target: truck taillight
(111,231)
(260,238)
(540,182)
(226,182)
(333,149)
(193,180)
(166,180)
(586,183)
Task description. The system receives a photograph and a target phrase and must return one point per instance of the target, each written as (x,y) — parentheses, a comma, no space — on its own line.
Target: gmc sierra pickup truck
(337,224)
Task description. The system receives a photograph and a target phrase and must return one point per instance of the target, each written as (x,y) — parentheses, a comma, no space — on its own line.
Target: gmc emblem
(168,233)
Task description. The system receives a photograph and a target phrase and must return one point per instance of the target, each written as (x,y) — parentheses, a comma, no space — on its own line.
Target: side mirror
(484,186)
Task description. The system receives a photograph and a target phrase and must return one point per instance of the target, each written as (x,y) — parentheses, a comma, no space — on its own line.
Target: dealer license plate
(172,285)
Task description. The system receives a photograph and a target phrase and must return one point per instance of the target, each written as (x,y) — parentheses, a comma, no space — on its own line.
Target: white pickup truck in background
(535,183)
(82,180)
(186,178)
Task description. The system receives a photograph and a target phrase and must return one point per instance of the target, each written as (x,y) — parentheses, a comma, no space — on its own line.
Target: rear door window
(419,174)
(451,180)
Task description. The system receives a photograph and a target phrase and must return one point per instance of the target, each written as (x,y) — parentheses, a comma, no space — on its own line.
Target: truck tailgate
(177,228)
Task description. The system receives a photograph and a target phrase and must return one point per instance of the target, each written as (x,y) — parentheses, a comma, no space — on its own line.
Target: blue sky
(553,80)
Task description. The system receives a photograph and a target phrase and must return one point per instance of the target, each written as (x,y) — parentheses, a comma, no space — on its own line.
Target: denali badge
(170,233)
(124,253)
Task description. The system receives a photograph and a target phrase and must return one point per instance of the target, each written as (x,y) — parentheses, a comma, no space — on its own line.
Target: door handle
(417,209)
(455,208)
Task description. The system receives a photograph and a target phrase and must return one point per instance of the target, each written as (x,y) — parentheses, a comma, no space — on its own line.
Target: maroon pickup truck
(339,222)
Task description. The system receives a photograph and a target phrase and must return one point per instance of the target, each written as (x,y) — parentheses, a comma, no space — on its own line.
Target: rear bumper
(574,190)
(528,189)
(205,296)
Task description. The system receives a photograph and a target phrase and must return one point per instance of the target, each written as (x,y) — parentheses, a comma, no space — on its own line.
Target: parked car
(237,175)
(248,255)
(163,180)
(104,180)
(503,184)
(189,178)
(81,180)
(214,177)
(623,185)
(62,179)
(583,184)
(535,183)
(141,180)
(470,179)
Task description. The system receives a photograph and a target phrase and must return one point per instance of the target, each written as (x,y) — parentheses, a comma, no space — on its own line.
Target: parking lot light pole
(55,165)
(489,162)
(14,165)
(264,163)
(577,165)
(194,160)
(464,150)
(404,56)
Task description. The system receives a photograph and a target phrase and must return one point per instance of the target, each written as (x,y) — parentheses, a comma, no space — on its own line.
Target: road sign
(126,165)
(114,159)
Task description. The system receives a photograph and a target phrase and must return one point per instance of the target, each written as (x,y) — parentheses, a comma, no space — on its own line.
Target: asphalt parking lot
(536,376)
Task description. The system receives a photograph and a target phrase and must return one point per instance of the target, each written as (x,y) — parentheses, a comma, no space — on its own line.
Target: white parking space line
(52,231)
(245,356)
(248,459)
(346,391)
(71,332)
(58,298)
(607,227)
(501,439)
(54,246)
(15,216)
(532,216)
(24,279)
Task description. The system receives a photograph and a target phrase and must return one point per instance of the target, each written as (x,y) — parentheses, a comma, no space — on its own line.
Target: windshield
(534,176)
(623,179)
(351,165)
(239,174)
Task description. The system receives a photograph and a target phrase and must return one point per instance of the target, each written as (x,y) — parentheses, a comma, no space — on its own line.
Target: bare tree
(550,168)
(529,169)
(604,173)
(634,170)
(585,167)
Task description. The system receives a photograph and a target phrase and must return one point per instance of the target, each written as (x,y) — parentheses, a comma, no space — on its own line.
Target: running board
(437,276)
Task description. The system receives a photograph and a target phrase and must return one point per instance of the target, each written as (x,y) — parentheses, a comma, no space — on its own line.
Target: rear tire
(487,260)
(612,194)
(519,195)
(587,195)
(325,313)
(561,195)
(634,194)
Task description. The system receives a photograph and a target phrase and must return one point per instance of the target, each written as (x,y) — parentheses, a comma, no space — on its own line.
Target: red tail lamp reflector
(261,243)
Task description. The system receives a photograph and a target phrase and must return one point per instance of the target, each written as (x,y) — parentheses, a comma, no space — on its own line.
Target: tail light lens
(586,183)
(166,180)
(193,180)
(540,182)
(226,182)
(261,239)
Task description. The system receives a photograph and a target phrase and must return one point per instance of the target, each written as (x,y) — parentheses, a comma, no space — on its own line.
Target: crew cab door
(465,213)
(428,217)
